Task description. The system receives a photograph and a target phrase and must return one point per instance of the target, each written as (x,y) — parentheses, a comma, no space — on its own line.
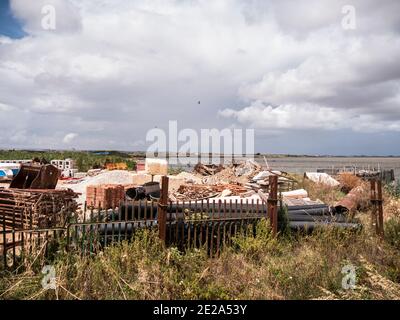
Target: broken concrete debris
(322,178)
(208,169)
(248,168)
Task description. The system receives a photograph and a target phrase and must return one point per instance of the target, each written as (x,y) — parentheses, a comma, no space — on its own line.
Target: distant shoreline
(142,154)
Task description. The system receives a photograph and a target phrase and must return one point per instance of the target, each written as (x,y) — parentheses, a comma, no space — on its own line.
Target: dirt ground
(4,184)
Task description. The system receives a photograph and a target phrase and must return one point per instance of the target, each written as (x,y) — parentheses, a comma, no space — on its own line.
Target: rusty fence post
(162,210)
(4,251)
(373,203)
(273,203)
(377,207)
(380,208)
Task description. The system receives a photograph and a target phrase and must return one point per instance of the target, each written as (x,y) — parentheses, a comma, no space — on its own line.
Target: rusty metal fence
(211,225)
(376,198)
(208,224)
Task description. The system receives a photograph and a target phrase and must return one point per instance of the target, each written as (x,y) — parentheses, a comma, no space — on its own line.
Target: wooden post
(374,223)
(380,208)
(377,207)
(5,241)
(162,210)
(273,203)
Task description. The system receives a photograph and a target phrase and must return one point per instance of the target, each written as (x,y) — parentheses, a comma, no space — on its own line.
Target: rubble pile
(322,178)
(199,192)
(191,192)
(236,173)
(241,180)
(261,180)
(208,169)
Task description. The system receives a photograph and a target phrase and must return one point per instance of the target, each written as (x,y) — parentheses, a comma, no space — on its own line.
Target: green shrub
(392,231)
(394,189)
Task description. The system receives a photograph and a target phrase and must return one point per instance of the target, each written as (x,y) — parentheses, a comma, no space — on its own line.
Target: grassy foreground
(290,267)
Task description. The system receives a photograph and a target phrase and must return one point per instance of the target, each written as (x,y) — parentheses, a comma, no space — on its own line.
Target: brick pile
(106,196)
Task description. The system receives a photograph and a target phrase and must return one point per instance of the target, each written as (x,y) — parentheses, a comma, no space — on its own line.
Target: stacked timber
(31,209)
(190,192)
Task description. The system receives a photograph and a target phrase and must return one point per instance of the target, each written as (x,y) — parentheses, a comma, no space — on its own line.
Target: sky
(301,74)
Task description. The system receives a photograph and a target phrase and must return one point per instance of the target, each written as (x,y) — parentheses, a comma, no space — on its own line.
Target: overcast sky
(114,69)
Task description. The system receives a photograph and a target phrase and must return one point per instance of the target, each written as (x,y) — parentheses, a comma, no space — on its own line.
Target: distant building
(64,164)
(67,167)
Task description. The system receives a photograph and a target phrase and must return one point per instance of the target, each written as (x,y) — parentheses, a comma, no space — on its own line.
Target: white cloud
(114,69)
(70,137)
(30,13)
(5,107)
(307,117)
(19,136)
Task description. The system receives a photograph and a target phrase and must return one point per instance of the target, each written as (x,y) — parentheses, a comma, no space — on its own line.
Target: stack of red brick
(106,196)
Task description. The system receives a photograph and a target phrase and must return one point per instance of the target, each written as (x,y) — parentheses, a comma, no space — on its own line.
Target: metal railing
(208,224)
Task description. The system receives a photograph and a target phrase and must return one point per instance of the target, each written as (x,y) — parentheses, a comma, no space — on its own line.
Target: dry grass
(348,181)
(294,267)
(327,194)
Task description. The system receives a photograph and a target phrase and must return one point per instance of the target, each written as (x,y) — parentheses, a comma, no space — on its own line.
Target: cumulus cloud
(114,69)
(33,13)
(308,116)
(69,137)
(5,107)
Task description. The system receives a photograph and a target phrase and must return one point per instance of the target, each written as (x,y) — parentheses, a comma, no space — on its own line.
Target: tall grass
(292,266)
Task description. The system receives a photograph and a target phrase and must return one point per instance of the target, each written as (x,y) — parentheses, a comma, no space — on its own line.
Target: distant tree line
(85,160)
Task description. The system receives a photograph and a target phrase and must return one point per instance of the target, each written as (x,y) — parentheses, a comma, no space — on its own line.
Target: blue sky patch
(9,25)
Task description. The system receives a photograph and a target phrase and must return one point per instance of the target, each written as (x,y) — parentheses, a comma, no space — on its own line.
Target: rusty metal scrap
(33,176)
(30,209)
(352,201)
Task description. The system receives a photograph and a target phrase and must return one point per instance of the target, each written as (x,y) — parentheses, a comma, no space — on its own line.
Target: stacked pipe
(299,216)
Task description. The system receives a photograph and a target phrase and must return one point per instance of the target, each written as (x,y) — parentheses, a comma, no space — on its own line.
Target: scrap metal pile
(32,202)
(244,182)
(243,179)
(30,209)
